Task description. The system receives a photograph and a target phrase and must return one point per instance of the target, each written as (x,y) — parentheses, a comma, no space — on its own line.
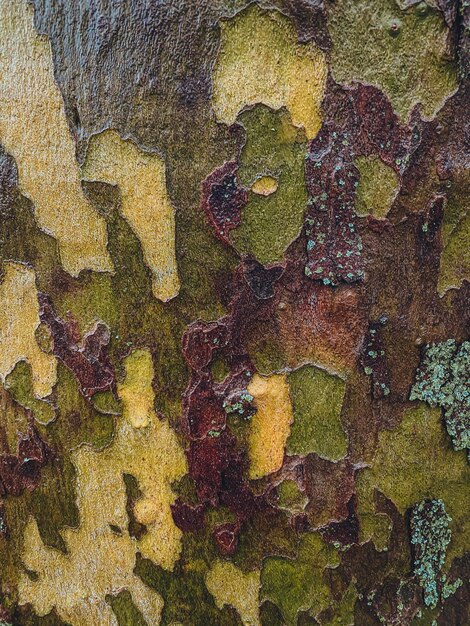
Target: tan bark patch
(261,61)
(146,205)
(270,426)
(19,319)
(34,130)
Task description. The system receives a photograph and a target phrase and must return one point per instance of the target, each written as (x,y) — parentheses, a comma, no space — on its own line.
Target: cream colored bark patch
(261,61)
(145,203)
(264,186)
(270,427)
(34,130)
(19,319)
(101,553)
(229,585)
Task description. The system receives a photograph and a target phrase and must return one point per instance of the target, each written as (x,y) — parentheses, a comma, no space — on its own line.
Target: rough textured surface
(141,180)
(234,324)
(260,61)
(19,320)
(34,130)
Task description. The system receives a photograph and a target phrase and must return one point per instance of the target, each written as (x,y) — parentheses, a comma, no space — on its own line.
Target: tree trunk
(234,354)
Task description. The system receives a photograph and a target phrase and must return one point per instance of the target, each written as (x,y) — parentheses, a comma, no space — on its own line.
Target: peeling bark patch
(404,52)
(377,188)
(34,130)
(260,60)
(145,203)
(153,456)
(86,357)
(229,585)
(264,186)
(222,200)
(22,470)
(317,400)
(270,425)
(19,320)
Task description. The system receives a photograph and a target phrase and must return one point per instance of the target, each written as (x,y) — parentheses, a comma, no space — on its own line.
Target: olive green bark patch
(290,497)
(415,462)
(274,148)
(20,384)
(378,186)
(317,399)
(298,585)
(127,614)
(401,52)
(455,257)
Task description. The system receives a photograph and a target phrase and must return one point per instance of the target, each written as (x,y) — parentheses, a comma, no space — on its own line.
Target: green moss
(401,52)
(442,380)
(298,584)
(274,147)
(378,186)
(317,399)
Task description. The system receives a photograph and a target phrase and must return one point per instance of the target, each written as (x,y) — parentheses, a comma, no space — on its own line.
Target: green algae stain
(298,585)
(378,186)
(187,599)
(414,462)
(275,148)
(317,399)
(401,52)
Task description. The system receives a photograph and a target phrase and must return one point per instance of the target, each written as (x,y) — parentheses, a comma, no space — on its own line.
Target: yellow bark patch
(101,553)
(135,392)
(34,130)
(261,61)
(270,427)
(264,186)
(229,585)
(146,206)
(19,319)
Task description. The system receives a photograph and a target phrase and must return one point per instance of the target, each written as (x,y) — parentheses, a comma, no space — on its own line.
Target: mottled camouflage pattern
(280,437)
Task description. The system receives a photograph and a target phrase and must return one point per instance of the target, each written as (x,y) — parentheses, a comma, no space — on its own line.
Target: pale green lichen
(443,380)
(430,536)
